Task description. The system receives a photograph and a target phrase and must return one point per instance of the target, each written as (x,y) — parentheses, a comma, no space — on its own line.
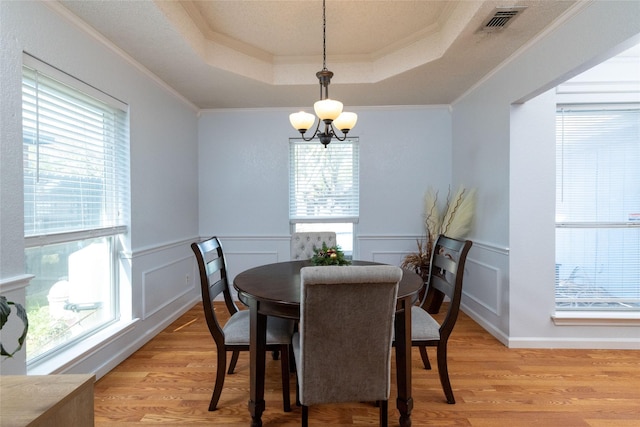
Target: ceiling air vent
(501,17)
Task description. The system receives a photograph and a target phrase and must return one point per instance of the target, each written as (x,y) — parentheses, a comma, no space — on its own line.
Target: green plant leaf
(22,314)
(5,311)
(328,256)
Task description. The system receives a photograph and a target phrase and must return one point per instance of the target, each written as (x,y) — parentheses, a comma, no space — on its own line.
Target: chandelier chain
(324,35)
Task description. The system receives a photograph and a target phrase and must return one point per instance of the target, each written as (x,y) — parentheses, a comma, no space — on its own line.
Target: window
(598,207)
(76,191)
(324,189)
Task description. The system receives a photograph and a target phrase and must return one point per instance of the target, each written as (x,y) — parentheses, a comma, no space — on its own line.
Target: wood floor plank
(169,382)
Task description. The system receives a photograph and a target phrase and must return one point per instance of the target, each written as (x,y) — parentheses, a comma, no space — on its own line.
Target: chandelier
(329,111)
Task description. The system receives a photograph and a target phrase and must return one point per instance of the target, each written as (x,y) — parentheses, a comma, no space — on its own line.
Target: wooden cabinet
(46,400)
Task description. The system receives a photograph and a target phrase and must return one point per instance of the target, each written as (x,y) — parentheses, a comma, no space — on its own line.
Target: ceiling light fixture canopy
(329,111)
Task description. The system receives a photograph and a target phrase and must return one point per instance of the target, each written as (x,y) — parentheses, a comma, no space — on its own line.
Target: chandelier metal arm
(315,132)
(326,136)
(344,135)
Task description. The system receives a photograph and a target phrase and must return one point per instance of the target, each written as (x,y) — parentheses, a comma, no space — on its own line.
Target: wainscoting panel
(486,288)
(486,291)
(166,283)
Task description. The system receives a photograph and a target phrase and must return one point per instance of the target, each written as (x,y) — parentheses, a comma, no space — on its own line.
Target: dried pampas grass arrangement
(454,221)
(458,214)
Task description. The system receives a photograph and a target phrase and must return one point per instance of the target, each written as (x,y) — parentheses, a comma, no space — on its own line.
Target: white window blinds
(598,208)
(324,182)
(76,156)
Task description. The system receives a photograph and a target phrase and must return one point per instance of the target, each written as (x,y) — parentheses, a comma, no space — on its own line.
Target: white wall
(508,150)
(244,190)
(164,180)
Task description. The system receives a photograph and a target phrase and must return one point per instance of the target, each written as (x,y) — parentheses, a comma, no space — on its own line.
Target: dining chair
(445,274)
(303,243)
(234,335)
(342,350)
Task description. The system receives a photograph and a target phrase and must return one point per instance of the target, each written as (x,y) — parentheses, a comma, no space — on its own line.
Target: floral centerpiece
(329,256)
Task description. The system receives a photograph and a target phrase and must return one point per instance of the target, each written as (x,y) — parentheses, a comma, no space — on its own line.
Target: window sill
(66,359)
(597,318)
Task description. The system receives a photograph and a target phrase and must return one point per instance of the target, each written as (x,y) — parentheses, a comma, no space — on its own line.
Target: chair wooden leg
(292,360)
(443,371)
(284,367)
(305,416)
(384,413)
(234,360)
(220,372)
(425,357)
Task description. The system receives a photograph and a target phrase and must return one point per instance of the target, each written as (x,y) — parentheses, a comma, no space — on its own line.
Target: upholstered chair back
(343,348)
(302,244)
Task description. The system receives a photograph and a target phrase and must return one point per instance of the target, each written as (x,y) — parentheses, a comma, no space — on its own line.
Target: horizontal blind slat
(323,181)
(597,208)
(76,159)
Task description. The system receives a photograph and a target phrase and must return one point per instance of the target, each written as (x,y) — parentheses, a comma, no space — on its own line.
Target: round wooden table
(274,290)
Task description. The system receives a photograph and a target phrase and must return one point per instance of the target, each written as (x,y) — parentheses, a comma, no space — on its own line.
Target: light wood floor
(169,382)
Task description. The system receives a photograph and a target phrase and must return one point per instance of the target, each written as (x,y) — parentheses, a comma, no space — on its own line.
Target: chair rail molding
(281,237)
(152,249)
(488,246)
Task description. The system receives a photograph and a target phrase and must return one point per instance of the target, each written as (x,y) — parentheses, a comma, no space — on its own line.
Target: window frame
(115,189)
(591,300)
(352,217)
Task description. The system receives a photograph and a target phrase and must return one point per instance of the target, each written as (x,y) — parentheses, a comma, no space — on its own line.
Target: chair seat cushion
(236,330)
(423,326)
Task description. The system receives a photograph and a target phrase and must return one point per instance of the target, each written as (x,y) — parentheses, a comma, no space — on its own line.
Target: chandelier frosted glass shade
(345,121)
(328,109)
(302,121)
